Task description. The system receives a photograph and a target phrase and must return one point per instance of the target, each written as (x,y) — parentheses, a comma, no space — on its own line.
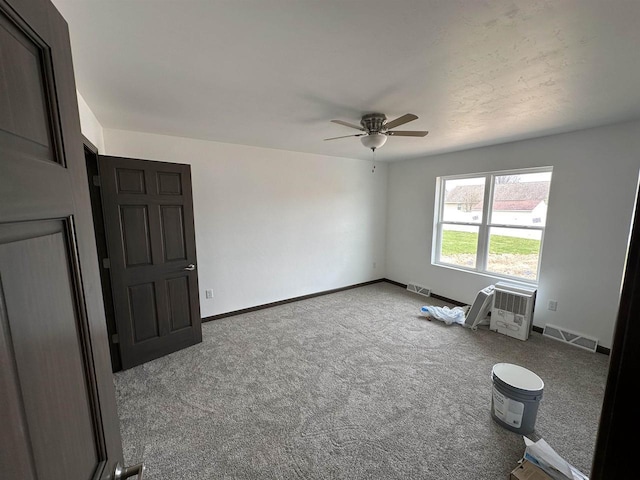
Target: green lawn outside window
(454,243)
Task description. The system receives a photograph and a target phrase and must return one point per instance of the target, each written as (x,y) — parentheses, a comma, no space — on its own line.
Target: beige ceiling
(272,73)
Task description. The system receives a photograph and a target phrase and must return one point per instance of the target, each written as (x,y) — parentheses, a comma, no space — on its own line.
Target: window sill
(493,276)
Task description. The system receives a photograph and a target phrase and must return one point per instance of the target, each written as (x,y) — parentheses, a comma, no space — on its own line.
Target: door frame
(91,161)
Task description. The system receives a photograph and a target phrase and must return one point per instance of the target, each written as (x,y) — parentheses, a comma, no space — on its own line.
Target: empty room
(319,239)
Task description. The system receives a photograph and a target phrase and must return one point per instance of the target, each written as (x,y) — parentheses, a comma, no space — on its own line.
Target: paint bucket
(516,395)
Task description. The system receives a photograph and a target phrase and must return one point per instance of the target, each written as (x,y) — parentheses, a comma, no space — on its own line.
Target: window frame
(484,226)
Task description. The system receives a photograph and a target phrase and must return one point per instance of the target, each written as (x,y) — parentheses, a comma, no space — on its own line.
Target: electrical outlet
(375,265)
(208,293)
(553,305)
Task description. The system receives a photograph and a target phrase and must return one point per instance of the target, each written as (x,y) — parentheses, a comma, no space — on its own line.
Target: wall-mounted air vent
(415,288)
(573,338)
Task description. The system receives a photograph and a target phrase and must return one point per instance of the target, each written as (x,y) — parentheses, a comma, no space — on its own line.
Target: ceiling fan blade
(347,124)
(346,136)
(408,117)
(407,133)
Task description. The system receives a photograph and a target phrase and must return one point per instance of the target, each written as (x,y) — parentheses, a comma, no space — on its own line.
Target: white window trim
(484,226)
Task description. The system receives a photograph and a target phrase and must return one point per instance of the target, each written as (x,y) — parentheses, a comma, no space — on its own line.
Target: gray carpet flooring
(351,385)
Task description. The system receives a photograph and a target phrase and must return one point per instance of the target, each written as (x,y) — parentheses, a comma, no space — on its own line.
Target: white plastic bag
(446,314)
(541,454)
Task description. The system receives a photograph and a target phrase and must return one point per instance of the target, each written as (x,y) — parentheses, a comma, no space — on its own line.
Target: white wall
(273,224)
(89,124)
(590,207)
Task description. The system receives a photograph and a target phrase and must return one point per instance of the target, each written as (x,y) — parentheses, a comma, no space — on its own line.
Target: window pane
(514,252)
(459,245)
(463,200)
(521,199)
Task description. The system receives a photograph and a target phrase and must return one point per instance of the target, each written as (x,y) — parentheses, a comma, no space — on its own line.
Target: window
(493,222)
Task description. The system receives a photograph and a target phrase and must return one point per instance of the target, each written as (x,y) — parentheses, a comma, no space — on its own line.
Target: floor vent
(572,338)
(412,287)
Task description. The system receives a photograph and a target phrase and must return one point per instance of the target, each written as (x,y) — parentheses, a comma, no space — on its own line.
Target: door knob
(120,473)
(190,268)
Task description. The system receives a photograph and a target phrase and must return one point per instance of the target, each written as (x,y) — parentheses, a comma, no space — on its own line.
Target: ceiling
(272,73)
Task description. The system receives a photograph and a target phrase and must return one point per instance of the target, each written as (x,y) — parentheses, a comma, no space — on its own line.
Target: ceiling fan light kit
(373,140)
(376,129)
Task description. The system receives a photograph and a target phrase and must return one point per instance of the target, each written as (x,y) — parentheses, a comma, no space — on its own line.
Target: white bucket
(516,395)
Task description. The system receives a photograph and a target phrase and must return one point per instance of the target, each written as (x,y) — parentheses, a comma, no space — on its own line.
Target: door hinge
(96,180)
(114,338)
(106,263)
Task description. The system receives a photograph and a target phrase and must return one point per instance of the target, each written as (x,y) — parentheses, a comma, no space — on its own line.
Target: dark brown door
(57,406)
(620,417)
(148,216)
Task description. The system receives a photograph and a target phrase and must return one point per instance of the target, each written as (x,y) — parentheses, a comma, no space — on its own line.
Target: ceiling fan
(376,129)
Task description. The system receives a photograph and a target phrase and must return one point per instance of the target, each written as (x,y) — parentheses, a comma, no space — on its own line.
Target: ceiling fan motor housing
(373,122)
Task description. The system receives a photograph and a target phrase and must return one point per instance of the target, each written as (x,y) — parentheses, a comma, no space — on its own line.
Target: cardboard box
(528,471)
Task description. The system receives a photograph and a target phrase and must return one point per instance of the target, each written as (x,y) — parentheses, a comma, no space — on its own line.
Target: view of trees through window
(502,236)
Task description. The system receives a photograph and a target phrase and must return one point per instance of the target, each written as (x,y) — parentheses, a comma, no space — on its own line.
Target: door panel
(130,181)
(40,313)
(172,225)
(179,308)
(143,316)
(148,214)
(26,80)
(22,87)
(169,183)
(57,404)
(136,244)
